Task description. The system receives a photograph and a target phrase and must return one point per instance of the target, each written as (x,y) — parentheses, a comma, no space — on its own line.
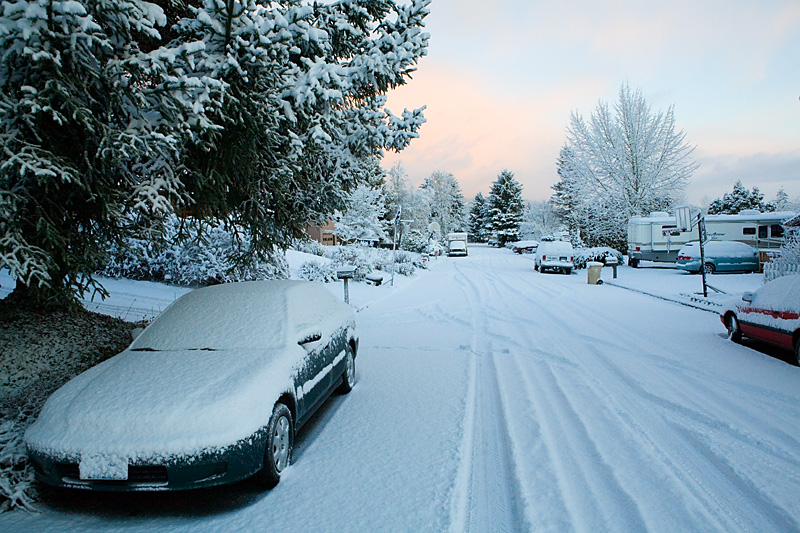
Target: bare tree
(625,161)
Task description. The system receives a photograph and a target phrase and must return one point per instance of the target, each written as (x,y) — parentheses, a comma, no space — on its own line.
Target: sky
(501,79)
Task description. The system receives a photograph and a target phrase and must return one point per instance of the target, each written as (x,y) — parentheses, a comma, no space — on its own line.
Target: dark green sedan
(211,392)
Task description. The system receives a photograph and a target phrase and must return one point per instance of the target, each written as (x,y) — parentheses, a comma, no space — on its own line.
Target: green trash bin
(594,268)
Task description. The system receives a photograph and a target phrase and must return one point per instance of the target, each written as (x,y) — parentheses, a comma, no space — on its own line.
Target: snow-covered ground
(495,398)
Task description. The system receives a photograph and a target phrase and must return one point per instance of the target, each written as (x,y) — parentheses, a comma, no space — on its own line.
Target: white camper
(457,243)
(657,237)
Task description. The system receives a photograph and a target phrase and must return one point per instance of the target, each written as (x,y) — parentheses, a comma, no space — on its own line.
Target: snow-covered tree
(397,192)
(91,119)
(539,219)
(506,207)
(445,201)
(361,218)
(480,219)
(738,200)
(262,114)
(622,162)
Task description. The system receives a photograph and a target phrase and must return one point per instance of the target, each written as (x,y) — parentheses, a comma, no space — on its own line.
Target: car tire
(280,442)
(634,263)
(734,331)
(567,271)
(536,267)
(349,374)
(709,268)
(797,351)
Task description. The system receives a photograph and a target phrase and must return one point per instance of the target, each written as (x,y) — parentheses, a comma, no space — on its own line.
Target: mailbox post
(345,273)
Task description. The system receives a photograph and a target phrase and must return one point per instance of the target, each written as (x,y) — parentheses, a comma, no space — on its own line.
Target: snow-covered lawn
(492,397)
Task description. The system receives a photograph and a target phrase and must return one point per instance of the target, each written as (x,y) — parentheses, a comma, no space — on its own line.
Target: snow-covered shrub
(597,253)
(317,271)
(361,257)
(190,255)
(38,354)
(309,246)
(789,260)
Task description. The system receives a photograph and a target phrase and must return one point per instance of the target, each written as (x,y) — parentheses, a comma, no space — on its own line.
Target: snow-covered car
(719,256)
(770,314)
(524,247)
(557,256)
(211,392)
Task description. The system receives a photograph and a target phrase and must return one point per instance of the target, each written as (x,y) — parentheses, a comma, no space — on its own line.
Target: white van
(554,255)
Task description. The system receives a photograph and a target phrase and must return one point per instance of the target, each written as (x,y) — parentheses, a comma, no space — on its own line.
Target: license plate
(563,258)
(104,467)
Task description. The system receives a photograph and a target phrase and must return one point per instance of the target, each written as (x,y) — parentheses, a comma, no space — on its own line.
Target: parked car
(770,314)
(719,256)
(524,247)
(211,392)
(554,255)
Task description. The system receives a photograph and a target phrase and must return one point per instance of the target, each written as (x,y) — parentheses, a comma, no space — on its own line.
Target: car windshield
(237,315)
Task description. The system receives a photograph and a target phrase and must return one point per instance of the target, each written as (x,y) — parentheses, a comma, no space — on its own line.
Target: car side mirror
(309,339)
(747,296)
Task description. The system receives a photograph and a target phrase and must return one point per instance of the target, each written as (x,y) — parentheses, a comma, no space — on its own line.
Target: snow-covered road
(495,398)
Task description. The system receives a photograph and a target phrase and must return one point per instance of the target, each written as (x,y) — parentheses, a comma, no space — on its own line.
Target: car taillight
(544,257)
(570,258)
(638,249)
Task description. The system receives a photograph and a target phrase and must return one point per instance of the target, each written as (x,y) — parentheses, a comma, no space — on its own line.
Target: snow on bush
(317,271)
(597,253)
(38,354)
(789,261)
(191,256)
(365,259)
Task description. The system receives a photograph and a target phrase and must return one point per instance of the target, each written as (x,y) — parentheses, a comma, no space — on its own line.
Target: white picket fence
(773,270)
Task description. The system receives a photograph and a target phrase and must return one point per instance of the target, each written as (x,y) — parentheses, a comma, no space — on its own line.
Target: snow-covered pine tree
(782,201)
(506,206)
(738,200)
(260,114)
(91,117)
(479,224)
(305,109)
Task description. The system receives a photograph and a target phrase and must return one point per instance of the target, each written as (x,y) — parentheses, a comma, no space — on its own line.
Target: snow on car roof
(254,314)
(718,248)
(781,294)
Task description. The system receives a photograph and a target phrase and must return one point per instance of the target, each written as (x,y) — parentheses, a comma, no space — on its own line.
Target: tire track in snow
(728,500)
(485,495)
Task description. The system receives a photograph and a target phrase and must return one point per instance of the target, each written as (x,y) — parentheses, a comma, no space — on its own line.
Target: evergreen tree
(782,201)
(506,207)
(262,114)
(738,200)
(480,220)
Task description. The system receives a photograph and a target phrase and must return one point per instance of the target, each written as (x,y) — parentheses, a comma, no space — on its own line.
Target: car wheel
(634,263)
(280,441)
(734,332)
(567,271)
(349,374)
(709,268)
(797,351)
(536,267)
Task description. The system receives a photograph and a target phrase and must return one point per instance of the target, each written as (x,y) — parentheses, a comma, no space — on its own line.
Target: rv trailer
(657,237)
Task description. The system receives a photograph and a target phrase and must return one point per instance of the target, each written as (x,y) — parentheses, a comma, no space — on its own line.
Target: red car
(770,314)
